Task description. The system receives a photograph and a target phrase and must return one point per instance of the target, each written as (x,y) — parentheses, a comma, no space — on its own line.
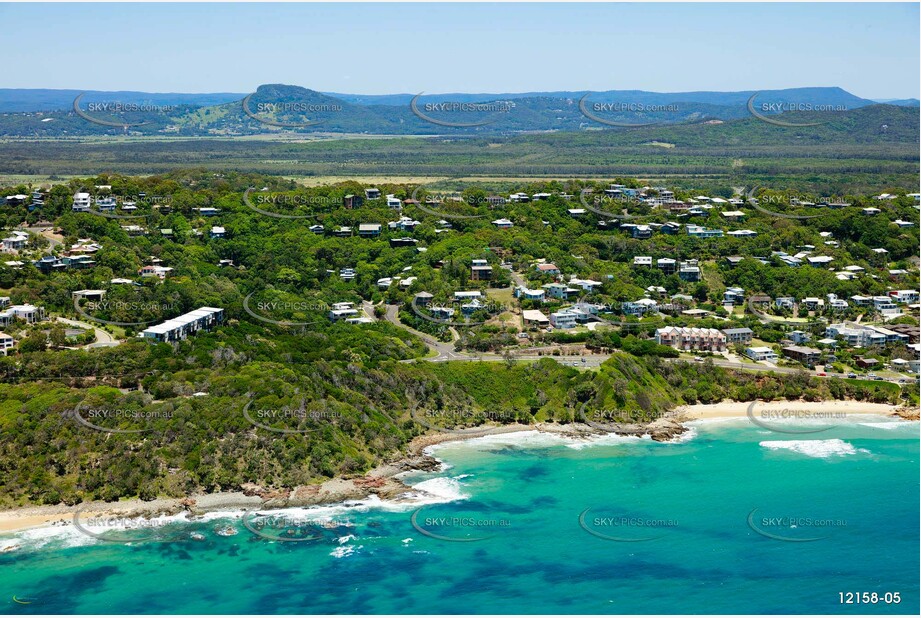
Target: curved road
(103,339)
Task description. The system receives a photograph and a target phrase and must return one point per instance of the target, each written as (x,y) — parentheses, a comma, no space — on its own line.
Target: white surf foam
(814,448)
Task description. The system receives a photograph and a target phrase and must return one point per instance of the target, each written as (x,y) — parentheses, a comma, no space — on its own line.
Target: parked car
(852,375)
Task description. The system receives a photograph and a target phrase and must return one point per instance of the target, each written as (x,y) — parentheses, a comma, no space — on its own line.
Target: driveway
(103,338)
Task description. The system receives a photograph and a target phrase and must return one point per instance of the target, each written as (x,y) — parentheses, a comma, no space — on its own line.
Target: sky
(871,50)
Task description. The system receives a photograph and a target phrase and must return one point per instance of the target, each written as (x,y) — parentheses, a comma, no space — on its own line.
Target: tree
(57,336)
(36,341)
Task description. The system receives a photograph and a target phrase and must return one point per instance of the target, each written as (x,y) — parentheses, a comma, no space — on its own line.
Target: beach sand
(816,409)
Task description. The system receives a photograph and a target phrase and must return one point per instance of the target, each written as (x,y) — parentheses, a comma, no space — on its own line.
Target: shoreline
(815,409)
(383,482)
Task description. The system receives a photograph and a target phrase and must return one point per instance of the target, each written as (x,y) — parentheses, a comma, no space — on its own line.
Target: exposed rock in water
(908,414)
(425,463)
(665,429)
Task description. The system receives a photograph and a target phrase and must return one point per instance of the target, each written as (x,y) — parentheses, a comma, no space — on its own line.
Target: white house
(529,294)
(761,353)
(342,311)
(563,319)
(81,202)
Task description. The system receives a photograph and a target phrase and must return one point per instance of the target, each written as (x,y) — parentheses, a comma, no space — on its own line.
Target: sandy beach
(803,409)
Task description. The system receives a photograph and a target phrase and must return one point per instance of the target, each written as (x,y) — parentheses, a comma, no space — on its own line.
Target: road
(446,352)
(103,339)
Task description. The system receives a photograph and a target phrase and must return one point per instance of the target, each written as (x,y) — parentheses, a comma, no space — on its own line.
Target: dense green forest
(358,410)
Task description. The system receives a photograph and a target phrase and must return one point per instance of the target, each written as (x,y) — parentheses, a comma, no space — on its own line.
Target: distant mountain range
(277,107)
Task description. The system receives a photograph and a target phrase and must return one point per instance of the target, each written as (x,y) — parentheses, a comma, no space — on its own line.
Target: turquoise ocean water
(732,518)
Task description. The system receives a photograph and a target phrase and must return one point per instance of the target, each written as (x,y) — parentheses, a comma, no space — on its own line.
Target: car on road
(852,375)
(821,373)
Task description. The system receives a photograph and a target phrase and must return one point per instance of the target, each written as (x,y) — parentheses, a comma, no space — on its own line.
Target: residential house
(642,260)
(352,201)
(342,311)
(81,202)
(559,290)
(671,228)
(884,305)
(865,363)
(217,232)
(549,269)
(734,296)
(761,353)
(563,319)
(405,241)
(738,335)
(155,270)
(699,231)
(528,294)
(16,241)
(637,231)
(88,294)
(909,330)
(689,271)
(503,224)
(27,313)
(372,193)
(807,356)
(369,230)
(6,343)
(406,224)
(467,295)
(586,284)
(820,260)
(532,317)
(480,270)
(904,296)
(667,265)
(640,307)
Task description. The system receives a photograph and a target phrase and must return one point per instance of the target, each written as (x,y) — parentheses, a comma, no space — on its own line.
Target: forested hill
(284,108)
